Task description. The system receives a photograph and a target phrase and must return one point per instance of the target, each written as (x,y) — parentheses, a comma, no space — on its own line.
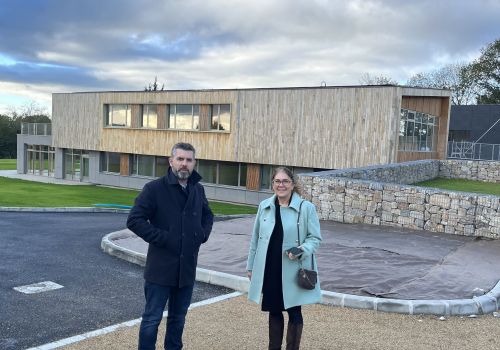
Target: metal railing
(473,150)
(43,129)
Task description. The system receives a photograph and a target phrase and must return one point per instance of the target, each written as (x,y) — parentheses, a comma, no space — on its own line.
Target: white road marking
(38,287)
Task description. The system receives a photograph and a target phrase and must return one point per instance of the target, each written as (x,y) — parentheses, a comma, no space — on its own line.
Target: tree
(457,77)
(486,72)
(154,86)
(29,109)
(8,138)
(367,79)
(10,126)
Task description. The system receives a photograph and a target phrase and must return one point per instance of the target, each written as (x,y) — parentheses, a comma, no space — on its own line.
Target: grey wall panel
(21,155)
(477,119)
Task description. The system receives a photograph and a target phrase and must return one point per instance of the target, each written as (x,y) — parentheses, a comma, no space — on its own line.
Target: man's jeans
(156,299)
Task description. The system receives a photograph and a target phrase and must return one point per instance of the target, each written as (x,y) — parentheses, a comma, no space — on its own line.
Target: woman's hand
(294,253)
(249,275)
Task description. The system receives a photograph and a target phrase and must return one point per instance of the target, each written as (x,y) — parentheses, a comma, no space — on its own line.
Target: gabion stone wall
(487,171)
(403,173)
(352,200)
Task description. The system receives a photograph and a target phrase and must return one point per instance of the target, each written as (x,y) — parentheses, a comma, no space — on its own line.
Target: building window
(161,166)
(40,160)
(222,173)
(184,117)
(266,172)
(150,166)
(221,117)
(142,165)
(208,170)
(75,167)
(118,116)
(149,116)
(110,162)
(229,173)
(417,131)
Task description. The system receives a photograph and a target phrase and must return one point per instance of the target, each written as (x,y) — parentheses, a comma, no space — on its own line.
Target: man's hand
(249,275)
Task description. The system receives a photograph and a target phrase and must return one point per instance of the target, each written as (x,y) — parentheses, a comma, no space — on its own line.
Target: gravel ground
(239,324)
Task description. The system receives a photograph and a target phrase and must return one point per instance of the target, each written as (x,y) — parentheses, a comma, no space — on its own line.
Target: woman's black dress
(272,288)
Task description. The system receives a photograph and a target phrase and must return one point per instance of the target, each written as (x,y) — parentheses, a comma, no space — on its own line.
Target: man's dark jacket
(174,224)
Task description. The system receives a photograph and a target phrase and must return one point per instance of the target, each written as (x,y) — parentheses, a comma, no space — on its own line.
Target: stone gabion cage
(383,195)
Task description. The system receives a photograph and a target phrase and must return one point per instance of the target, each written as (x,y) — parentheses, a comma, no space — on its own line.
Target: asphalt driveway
(98,290)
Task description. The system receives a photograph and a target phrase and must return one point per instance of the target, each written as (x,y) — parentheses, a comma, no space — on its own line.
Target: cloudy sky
(51,46)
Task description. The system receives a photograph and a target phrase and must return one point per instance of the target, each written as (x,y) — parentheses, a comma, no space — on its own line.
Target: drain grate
(38,287)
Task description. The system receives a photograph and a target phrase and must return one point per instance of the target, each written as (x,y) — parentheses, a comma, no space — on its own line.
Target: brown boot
(276,326)
(293,335)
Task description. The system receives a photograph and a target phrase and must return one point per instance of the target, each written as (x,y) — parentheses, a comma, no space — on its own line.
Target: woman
(271,269)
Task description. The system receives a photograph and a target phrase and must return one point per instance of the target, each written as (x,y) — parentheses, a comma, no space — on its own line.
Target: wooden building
(124,138)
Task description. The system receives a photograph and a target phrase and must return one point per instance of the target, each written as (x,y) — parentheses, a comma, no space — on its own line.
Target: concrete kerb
(456,307)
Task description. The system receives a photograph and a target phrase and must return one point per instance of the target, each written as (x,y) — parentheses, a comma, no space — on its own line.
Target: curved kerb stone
(484,304)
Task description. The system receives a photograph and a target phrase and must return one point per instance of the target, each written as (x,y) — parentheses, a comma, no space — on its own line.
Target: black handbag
(306,279)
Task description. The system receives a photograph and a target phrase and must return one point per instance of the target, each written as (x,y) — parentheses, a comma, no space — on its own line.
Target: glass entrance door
(85,168)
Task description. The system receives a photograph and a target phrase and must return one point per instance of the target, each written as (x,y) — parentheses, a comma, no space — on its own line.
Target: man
(172,215)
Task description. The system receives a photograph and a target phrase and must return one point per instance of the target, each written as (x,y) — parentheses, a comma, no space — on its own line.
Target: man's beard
(181,174)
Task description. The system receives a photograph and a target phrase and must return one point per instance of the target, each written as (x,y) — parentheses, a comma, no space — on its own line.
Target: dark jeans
(156,299)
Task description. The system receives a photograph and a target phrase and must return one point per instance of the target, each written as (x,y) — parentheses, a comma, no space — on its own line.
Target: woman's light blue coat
(310,238)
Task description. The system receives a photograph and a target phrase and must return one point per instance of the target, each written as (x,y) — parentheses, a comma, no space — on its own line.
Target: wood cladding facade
(328,127)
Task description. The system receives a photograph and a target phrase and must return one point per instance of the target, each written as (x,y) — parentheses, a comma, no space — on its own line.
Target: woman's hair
(288,172)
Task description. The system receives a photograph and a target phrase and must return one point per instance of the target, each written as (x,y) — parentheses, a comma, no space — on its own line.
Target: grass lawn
(8,164)
(463,185)
(20,193)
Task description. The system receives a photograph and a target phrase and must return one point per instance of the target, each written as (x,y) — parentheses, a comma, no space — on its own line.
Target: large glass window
(68,164)
(185,117)
(417,131)
(151,166)
(73,163)
(221,117)
(142,165)
(243,174)
(110,162)
(118,116)
(208,170)
(40,160)
(265,176)
(229,173)
(161,166)
(222,173)
(149,116)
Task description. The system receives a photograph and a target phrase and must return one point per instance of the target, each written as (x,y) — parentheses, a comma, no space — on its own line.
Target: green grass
(231,209)
(20,193)
(463,185)
(8,164)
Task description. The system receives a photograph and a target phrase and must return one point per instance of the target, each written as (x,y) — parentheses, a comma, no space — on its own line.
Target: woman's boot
(276,325)
(293,335)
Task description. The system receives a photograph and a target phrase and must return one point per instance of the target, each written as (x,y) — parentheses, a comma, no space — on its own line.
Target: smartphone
(296,251)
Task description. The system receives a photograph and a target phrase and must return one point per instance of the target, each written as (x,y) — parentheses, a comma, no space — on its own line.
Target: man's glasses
(284,182)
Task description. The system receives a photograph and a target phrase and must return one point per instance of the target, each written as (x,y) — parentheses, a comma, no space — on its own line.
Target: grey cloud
(281,41)
(30,73)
